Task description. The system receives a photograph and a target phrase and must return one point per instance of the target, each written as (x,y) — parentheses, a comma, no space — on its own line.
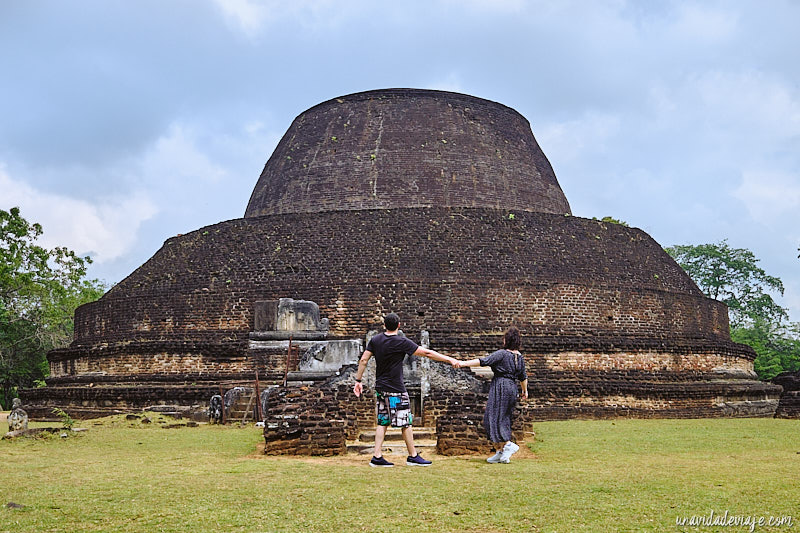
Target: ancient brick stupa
(440,207)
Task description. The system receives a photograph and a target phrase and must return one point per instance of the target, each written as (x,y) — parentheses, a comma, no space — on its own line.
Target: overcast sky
(123,123)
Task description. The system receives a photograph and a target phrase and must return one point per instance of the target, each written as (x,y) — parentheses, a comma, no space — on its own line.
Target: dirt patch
(358,459)
(350,459)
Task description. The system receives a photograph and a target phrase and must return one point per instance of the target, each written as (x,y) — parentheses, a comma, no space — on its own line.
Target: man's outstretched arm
(436,356)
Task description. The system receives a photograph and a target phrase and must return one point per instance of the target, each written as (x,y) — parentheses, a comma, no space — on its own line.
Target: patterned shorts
(394,408)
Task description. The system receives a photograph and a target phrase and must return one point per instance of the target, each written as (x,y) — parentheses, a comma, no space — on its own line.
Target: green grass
(623,475)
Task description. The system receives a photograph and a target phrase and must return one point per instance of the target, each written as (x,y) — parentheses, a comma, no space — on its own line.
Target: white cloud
(451,82)
(573,139)
(173,171)
(175,157)
(496,6)
(247,15)
(105,230)
(190,176)
(751,99)
(768,195)
(746,111)
(252,17)
(704,23)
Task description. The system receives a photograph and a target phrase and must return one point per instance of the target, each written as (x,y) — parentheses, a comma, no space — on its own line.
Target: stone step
(394,434)
(425,447)
(240,408)
(238,415)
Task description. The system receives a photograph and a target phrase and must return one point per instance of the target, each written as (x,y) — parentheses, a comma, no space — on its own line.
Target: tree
(777,347)
(40,289)
(733,276)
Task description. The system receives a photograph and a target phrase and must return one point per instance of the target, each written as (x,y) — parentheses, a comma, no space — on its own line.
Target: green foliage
(40,289)
(612,220)
(66,421)
(733,276)
(778,347)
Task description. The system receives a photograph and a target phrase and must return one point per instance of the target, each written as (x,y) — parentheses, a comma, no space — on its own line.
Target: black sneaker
(417,461)
(379,461)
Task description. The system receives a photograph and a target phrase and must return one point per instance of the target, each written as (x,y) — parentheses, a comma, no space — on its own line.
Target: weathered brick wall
(645,360)
(306,421)
(271,364)
(91,401)
(462,434)
(462,274)
(188,358)
(361,410)
(406,148)
(443,267)
(122,364)
(458,418)
(642,394)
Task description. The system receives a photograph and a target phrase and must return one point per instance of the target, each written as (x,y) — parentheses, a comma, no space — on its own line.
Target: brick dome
(440,207)
(407,148)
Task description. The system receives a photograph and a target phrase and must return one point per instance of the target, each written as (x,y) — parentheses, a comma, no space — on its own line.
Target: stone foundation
(648,361)
(459,423)
(84,402)
(307,421)
(637,394)
(723,386)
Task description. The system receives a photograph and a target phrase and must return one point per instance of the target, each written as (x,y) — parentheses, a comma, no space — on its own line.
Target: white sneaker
(495,458)
(508,450)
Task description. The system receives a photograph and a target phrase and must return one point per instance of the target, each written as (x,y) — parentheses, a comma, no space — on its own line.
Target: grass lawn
(622,475)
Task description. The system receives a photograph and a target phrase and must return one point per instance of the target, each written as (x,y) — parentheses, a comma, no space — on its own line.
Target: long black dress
(508,368)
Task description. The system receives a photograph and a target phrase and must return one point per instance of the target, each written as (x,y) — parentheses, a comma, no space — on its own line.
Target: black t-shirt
(389,352)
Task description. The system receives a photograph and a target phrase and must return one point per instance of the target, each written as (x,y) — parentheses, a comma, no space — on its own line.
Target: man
(394,406)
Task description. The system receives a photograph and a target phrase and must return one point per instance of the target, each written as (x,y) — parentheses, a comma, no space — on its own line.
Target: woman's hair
(512,339)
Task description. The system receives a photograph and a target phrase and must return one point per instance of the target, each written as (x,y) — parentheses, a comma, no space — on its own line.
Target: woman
(508,366)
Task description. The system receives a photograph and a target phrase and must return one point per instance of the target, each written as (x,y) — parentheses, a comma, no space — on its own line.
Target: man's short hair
(391,321)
